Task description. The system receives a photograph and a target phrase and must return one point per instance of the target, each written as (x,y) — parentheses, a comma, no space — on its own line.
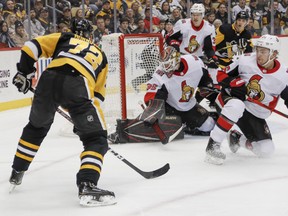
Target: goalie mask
(170,60)
(82,27)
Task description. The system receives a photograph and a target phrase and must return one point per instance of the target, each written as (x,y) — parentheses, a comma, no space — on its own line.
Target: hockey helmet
(242,15)
(270,42)
(82,27)
(198,8)
(169,60)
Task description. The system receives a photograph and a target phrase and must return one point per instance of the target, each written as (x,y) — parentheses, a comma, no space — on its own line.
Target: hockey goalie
(171,103)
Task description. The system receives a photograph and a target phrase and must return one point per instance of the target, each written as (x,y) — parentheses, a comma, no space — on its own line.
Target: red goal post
(132,59)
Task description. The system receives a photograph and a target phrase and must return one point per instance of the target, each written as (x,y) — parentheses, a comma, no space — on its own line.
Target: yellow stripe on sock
(30,145)
(24,157)
(90,167)
(91,153)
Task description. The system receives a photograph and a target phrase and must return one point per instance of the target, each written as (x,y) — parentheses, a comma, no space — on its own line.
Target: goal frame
(122,64)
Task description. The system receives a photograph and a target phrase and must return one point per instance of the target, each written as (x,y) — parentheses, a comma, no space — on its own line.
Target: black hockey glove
(23,81)
(212,62)
(238,88)
(153,112)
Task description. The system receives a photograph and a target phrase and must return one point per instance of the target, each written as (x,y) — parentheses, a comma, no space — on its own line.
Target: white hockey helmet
(198,8)
(270,42)
(169,60)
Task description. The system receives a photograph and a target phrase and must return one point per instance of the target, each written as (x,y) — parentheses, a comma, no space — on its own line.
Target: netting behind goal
(132,60)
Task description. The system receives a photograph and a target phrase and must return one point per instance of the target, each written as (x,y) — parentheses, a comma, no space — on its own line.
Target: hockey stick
(146,174)
(160,133)
(258,103)
(267,107)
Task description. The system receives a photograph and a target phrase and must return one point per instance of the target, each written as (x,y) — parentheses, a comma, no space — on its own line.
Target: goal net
(132,60)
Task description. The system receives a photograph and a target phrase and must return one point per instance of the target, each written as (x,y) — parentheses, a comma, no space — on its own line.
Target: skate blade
(12,188)
(88,201)
(214,160)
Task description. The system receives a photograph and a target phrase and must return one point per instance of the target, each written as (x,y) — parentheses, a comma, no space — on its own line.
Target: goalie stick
(146,174)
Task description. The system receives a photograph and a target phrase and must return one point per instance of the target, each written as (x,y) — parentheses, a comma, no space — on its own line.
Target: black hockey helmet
(242,15)
(82,27)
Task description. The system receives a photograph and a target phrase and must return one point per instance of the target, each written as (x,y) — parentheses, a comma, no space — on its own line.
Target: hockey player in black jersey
(75,79)
(233,39)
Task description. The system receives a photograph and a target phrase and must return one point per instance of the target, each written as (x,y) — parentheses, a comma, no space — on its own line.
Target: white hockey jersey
(181,86)
(262,84)
(192,37)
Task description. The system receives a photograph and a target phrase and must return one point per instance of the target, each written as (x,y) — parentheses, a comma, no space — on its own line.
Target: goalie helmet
(198,8)
(82,27)
(170,60)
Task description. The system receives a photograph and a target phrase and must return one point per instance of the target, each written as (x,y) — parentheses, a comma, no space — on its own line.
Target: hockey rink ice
(243,186)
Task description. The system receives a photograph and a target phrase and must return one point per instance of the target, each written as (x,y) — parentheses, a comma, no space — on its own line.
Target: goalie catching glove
(23,81)
(155,111)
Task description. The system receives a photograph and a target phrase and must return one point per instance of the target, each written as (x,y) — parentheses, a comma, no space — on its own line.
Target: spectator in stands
(10,20)
(176,15)
(130,16)
(8,8)
(282,6)
(96,6)
(250,27)
(135,6)
(38,5)
(45,20)
(36,28)
(5,39)
(108,24)
(168,29)
(20,12)
(106,9)
(100,30)
(217,23)
(63,27)
(211,17)
(1,12)
(155,21)
(164,12)
(241,6)
(141,27)
(208,7)
(124,26)
(277,28)
(66,16)
(222,14)
(20,36)
(266,18)
(161,26)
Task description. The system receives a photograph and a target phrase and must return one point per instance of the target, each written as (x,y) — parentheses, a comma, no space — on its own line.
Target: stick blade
(156,173)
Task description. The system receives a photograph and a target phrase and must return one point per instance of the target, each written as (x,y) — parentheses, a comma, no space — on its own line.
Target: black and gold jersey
(71,51)
(229,42)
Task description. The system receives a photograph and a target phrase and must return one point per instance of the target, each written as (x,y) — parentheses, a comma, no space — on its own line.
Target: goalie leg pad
(135,131)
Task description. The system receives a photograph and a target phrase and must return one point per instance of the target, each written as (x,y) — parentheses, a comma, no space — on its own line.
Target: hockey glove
(238,88)
(153,112)
(23,81)
(212,62)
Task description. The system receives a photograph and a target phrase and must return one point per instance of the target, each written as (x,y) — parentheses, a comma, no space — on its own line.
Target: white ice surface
(243,186)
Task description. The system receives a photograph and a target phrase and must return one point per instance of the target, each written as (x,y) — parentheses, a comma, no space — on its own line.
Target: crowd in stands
(132,16)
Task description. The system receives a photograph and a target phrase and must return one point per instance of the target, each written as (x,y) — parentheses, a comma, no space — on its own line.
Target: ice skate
(233,138)
(15,179)
(214,154)
(90,195)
